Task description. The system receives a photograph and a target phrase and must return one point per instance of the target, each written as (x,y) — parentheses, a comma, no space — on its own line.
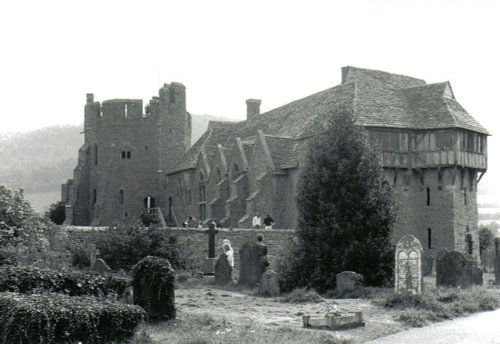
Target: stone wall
(275,240)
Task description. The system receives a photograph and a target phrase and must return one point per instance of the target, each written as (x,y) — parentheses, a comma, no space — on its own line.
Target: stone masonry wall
(275,240)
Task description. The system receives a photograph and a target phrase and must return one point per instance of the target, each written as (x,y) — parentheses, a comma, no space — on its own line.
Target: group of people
(191,222)
(257,222)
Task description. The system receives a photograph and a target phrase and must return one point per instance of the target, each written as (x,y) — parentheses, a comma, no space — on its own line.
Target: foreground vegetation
(206,329)
(439,304)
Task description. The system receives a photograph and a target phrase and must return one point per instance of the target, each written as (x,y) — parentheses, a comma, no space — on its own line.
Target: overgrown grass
(302,295)
(206,329)
(443,303)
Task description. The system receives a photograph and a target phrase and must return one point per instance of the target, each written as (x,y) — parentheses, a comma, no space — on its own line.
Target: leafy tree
(21,229)
(346,211)
(57,213)
(486,238)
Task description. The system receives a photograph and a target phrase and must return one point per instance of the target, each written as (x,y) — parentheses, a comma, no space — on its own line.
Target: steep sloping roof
(396,101)
(282,150)
(376,98)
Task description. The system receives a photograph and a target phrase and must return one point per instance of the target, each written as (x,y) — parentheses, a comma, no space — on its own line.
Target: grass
(439,304)
(206,329)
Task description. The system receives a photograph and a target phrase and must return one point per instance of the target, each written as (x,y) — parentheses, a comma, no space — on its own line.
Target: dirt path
(240,308)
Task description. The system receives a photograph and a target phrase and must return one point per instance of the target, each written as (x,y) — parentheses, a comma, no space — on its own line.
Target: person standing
(256,221)
(268,222)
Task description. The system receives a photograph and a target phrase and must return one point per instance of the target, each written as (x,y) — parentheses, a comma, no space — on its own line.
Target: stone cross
(408,277)
(211,239)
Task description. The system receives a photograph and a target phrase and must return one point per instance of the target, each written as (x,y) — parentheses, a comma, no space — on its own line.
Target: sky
(224,52)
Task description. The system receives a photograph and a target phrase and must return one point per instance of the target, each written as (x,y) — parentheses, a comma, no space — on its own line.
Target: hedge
(58,318)
(27,279)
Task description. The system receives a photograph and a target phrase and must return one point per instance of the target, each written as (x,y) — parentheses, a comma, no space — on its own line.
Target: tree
(346,210)
(21,229)
(57,213)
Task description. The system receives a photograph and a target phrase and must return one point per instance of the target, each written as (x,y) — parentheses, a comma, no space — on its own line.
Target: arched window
(429,238)
(94,198)
(428,196)
(121,197)
(218,174)
(201,176)
(95,154)
(468,243)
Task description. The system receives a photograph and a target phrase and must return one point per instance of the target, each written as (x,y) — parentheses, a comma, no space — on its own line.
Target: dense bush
(56,318)
(346,211)
(153,281)
(31,280)
(122,247)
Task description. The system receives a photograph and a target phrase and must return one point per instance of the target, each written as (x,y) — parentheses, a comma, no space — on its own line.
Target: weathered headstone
(153,283)
(427,264)
(497,261)
(269,283)
(251,264)
(476,276)
(439,255)
(92,255)
(101,267)
(408,276)
(223,270)
(454,270)
(348,281)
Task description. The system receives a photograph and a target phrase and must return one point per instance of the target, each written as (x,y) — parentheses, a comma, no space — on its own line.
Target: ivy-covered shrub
(153,282)
(57,318)
(28,280)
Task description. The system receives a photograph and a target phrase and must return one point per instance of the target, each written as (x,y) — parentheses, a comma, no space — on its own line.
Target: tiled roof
(377,99)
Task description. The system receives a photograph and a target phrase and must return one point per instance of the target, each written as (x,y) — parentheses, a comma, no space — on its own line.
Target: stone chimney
(90,98)
(253,108)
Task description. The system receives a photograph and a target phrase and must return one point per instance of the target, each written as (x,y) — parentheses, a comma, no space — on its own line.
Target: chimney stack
(253,108)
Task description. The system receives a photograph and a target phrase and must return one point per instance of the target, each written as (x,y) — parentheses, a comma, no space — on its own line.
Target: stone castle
(137,161)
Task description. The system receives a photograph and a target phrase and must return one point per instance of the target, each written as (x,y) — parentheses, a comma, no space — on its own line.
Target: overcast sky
(54,52)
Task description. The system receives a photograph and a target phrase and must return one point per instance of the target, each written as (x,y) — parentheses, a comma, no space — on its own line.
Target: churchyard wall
(274,239)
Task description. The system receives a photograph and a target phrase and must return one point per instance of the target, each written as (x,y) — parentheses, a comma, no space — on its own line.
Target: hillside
(40,161)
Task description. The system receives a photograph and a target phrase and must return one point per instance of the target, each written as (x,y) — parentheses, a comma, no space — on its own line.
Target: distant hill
(40,161)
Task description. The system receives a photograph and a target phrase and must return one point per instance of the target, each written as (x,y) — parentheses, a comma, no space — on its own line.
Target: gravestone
(497,261)
(427,264)
(439,255)
(476,276)
(223,270)
(251,264)
(408,272)
(92,255)
(454,270)
(269,283)
(101,267)
(348,281)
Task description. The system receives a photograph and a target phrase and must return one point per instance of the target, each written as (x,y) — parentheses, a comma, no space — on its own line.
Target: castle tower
(126,154)
(434,175)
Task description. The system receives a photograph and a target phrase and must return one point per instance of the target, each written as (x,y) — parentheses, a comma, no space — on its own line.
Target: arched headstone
(408,272)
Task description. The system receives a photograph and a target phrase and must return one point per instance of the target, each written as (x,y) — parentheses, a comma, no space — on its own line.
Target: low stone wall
(274,239)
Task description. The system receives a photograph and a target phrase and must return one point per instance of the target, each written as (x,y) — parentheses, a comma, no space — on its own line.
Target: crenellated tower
(127,151)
